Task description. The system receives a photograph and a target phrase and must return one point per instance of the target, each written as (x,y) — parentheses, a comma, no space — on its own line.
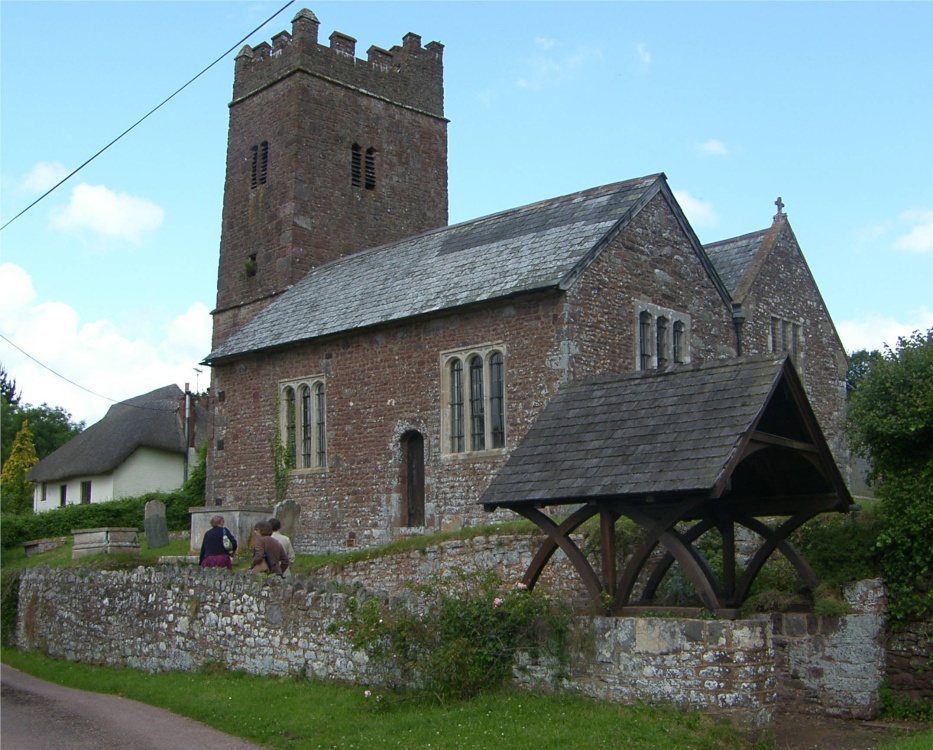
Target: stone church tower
(327,155)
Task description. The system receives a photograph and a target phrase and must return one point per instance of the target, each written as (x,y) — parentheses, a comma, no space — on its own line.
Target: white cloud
(17,288)
(42,177)
(644,54)
(875,331)
(699,213)
(98,209)
(548,67)
(713,147)
(99,355)
(920,237)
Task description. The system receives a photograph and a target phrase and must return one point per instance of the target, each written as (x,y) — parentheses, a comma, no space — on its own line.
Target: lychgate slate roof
(541,246)
(152,421)
(638,434)
(734,257)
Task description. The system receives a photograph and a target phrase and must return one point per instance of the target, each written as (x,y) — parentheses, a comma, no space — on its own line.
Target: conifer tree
(15,490)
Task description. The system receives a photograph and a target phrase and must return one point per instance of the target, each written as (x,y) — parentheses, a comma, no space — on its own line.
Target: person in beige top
(286,543)
(268,554)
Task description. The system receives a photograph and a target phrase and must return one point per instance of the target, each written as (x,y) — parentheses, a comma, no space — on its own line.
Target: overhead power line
(76,385)
(143,118)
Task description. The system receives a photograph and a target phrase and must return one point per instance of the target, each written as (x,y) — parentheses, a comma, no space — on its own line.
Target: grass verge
(296,713)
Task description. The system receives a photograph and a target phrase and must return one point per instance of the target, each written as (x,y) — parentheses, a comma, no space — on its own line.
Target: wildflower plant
(456,636)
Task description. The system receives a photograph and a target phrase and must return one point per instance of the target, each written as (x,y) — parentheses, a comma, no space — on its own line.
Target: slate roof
(152,421)
(641,433)
(734,257)
(541,246)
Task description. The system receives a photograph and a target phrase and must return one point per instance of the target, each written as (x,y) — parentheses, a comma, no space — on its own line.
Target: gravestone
(155,526)
(288,513)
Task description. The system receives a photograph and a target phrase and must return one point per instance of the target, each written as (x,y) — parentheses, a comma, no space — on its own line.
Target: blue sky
(110,280)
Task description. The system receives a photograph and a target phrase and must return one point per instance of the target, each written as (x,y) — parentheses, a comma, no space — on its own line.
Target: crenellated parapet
(408,74)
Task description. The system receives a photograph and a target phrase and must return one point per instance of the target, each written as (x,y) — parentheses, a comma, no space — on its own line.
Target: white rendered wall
(148,470)
(101,491)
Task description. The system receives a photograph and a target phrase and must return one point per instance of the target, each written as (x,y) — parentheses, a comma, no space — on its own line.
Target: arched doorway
(412,478)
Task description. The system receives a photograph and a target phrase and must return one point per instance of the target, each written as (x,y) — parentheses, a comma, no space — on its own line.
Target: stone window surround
(484,352)
(673,317)
(318,427)
(791,337)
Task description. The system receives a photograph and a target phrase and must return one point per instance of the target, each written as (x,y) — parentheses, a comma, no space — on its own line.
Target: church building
(379,367)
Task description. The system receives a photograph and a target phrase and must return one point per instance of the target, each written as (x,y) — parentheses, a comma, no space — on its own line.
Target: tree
(860,363)
(9,413)
(890,422)
(890,418)
(51,426)
(15,490)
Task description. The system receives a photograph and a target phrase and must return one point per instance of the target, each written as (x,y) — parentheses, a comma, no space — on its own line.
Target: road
(37,715)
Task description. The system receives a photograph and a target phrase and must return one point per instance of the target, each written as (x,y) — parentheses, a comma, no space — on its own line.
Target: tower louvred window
(370,169)
(356,165)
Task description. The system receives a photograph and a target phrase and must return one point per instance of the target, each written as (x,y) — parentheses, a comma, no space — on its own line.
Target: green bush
(461,639)
(904,548)
(22,527)
(841,547)
(902,708)
(9,604)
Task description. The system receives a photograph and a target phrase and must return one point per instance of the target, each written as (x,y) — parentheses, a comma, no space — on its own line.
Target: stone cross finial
(780,207)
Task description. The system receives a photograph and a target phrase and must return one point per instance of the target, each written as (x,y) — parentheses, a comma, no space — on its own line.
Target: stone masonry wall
(382,383)
(785,289)
(725,667)
(304,105)
(833,665)
(183,618)
(652,261)
(909,664)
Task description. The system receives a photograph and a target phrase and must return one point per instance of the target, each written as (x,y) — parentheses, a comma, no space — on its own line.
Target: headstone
(288,513)
(155,526)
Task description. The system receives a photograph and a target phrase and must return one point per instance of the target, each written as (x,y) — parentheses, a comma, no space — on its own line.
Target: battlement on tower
(411,74)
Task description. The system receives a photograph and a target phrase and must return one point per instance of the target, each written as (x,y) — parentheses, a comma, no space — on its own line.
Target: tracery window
(303,422)
(679,342)
(785,336)
(475,402)
(662,337)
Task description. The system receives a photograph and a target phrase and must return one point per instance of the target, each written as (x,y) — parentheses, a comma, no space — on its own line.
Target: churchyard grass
(297,713)
(15,558)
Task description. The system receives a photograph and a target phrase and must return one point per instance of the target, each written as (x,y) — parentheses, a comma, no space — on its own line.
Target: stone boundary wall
(507,556)
(909,662)
(185,618)
(833,665)
(724,667)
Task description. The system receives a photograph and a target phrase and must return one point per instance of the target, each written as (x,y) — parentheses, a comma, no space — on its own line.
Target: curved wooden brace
(776,539)
(549,546)
(576,557)
(691,561)
(664,564)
